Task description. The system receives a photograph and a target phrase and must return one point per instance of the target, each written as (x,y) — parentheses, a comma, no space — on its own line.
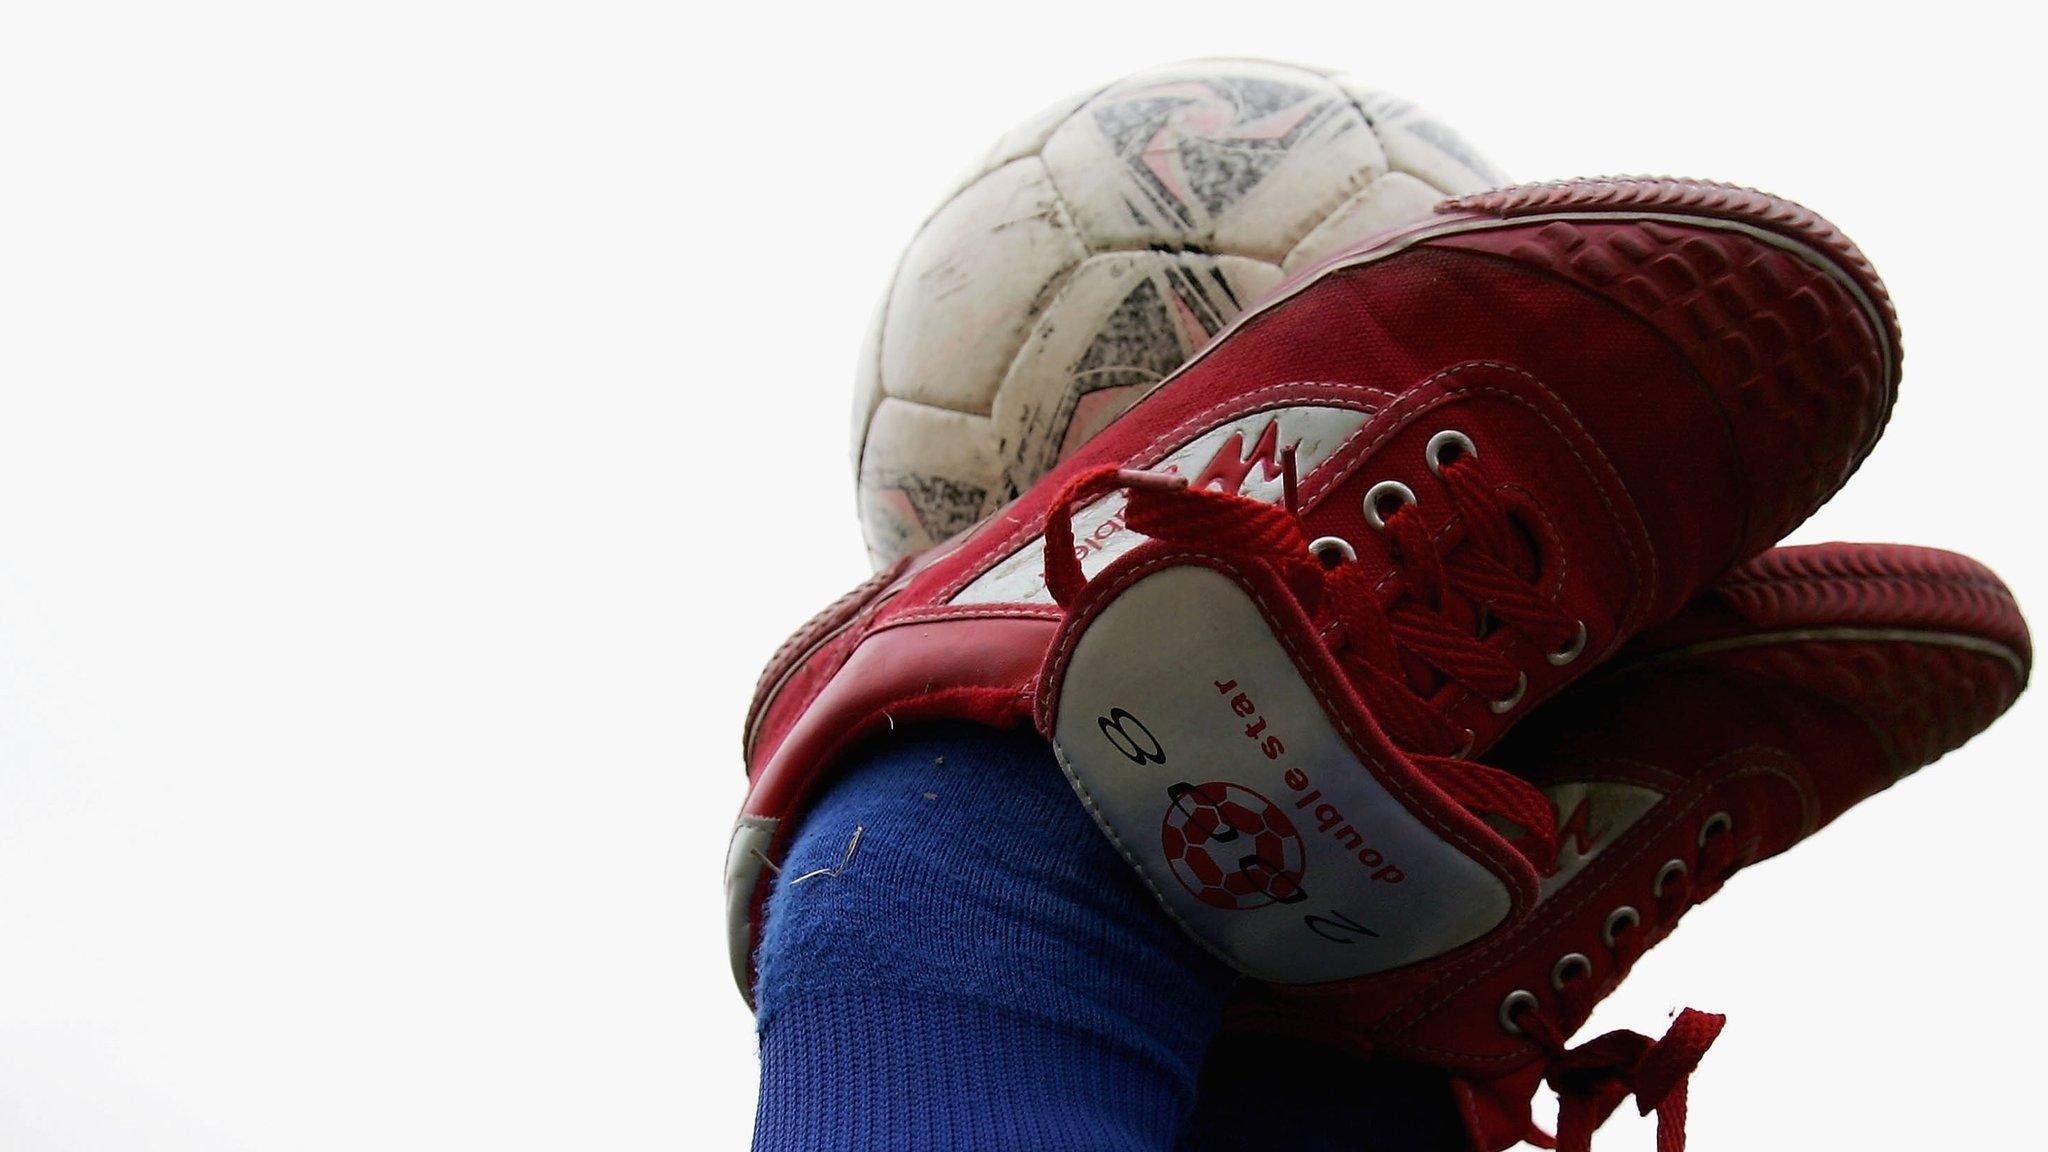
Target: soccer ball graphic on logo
(1230,847)
(1097,246)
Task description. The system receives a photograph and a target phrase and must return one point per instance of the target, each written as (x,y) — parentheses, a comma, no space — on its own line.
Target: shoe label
(1212,766)
(1241,456)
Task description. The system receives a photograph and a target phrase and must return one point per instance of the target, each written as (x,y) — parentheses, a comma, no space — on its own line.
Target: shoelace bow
(1594,1078)
(1426,612)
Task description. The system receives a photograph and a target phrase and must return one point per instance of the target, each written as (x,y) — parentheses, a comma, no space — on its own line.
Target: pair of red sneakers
(1278,618)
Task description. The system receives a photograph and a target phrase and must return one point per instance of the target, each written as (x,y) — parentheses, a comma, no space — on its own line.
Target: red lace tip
(1288,481)
(1156,481)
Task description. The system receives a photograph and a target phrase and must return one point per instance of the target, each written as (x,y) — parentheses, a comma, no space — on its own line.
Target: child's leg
(978,970)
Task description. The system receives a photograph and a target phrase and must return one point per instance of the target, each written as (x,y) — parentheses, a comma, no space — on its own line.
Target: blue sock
(980,970)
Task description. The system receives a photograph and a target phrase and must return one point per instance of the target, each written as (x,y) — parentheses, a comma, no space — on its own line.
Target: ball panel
(1238,156)
(1422,145)
(923,477)
(1121,323)
(867,381)
(1395,200)
(972,284)
(1028,138)
(1097,246)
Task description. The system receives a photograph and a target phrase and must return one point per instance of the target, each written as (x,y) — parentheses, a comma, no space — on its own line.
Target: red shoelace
(1402,636)
(1594,1078)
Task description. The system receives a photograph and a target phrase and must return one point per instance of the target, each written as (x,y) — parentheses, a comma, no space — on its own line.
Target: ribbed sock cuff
(911,1072)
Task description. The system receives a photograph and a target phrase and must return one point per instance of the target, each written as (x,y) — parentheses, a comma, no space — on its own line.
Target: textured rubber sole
(1780,314)
(1920,697)
(1878,586)
(1927,646)
(1704,198)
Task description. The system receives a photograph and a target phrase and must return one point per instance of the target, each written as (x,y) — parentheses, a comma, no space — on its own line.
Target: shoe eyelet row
(1577,965)
(1433,455)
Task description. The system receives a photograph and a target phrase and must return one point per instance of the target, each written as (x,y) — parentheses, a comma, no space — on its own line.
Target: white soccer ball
(1097,246)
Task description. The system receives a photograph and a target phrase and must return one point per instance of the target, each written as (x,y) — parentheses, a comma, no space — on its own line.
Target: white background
(418,421)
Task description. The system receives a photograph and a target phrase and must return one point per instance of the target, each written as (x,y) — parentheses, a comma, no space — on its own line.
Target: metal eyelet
(1507,703)
(1569,652)
(1465,749)
(1570,966)
(1324,544)
(1670,873)
(1449,437)
(1513,1003)
(1380,492)
(1623,917)
(1716,824)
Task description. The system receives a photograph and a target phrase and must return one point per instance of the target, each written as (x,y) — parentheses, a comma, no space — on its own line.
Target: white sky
(419,420)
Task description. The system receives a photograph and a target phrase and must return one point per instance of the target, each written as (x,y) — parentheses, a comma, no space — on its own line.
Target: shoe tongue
(1252,811)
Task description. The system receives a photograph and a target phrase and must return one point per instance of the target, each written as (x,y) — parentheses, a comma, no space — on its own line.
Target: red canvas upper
(1804,682)
(1642,382)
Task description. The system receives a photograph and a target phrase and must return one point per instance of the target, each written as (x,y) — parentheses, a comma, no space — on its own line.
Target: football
(1099,244)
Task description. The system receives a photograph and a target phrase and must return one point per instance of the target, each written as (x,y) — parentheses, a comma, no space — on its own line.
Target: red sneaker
(1805,681)
(1507,440)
